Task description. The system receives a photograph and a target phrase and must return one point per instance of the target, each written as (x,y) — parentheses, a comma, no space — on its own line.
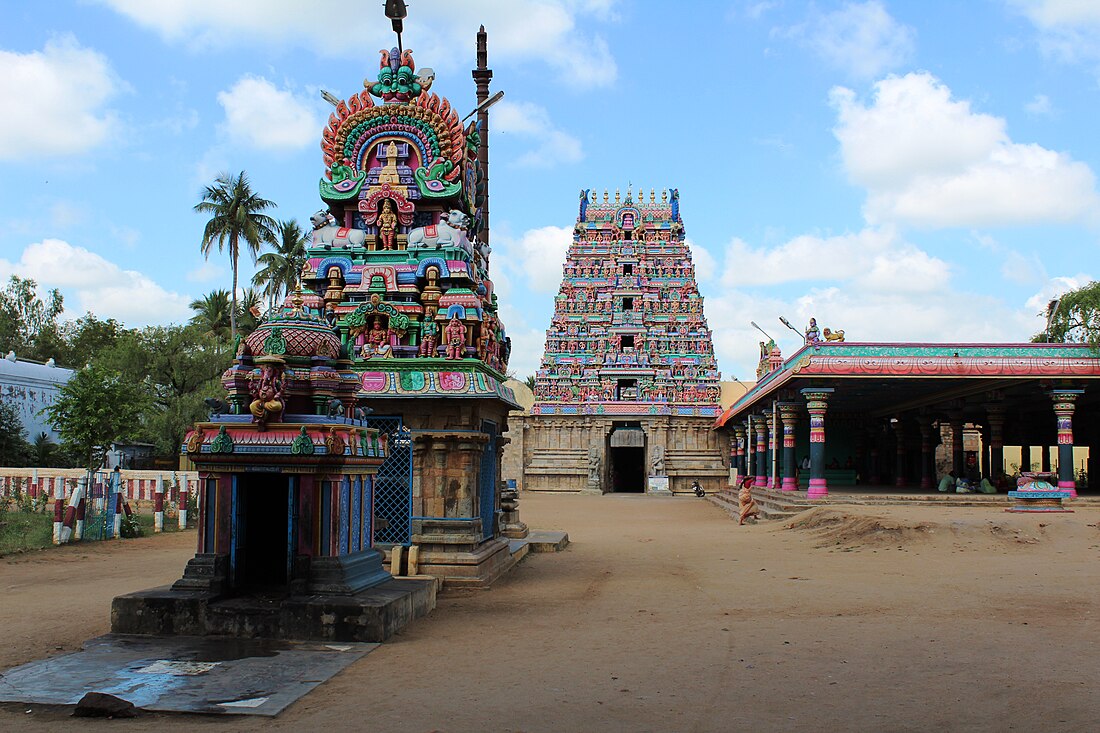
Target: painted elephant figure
(449,232)
(327,234)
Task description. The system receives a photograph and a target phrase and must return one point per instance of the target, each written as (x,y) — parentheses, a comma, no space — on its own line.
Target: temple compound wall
(628,389)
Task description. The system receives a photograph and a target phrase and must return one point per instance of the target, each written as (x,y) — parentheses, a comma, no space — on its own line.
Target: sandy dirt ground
(664,615)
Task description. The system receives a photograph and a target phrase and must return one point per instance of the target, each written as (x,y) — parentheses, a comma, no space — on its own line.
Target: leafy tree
(530,382)
(14,450)
(236,218)
(86,337)
(44,452)
(213,314)
(249,311)
(1075,318)
(96,407)
(28,324)
(281,268)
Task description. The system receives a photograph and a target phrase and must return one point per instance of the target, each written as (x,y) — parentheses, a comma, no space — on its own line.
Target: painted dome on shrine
(295,330)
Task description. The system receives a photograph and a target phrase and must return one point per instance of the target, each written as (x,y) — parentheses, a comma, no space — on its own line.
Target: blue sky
(900,170)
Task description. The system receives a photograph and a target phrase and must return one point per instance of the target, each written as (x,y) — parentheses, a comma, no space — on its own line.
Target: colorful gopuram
(628,385)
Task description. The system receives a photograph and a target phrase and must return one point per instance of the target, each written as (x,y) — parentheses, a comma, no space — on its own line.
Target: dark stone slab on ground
(183,674)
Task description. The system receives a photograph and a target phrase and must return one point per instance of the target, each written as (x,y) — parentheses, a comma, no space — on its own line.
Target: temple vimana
(628,388)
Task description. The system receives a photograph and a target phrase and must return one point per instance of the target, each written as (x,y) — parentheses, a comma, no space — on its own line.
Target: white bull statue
(449,232)
(328,234)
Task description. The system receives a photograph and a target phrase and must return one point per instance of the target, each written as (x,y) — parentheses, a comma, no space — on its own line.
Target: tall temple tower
(628,387)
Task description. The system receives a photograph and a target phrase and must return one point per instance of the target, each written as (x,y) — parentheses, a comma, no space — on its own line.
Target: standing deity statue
(429,333)
(456,338)
(657,461)
(594,466)
(387,225)
(813,335)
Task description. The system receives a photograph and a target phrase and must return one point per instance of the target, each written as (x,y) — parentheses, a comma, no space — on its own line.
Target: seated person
(987,487)
(947,482)
(962,486)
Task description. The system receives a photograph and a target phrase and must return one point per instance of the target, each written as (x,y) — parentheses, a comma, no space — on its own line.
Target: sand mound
(851,528)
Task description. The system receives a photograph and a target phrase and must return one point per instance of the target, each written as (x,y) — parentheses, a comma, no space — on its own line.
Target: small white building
(31,387)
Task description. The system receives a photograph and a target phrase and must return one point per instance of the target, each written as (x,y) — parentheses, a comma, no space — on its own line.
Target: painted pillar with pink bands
(788,413)
(158,505)
(760,426)
(1065,401)
(817,403)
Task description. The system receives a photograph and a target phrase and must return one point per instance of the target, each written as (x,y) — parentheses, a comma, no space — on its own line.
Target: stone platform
(372,615)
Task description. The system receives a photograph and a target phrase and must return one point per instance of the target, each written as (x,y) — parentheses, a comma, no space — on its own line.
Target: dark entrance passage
(260,542)
(627,469)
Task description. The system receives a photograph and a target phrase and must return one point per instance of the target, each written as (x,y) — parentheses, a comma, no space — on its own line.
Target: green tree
(281,268)
(249,311)
(14,450)
(44,452)
(1075,317)
(28,324)
(236,219)
(530,382)
(213,314)
(95,408)
(86,337)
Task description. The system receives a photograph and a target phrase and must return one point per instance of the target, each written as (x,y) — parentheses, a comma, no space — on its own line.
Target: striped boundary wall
(137,486)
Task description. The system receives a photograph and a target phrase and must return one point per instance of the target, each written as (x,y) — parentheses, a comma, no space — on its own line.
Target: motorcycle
(697,489)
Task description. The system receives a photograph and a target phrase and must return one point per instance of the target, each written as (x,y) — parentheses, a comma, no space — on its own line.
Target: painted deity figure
(429,333)
(379,340)
(456,338)
(387,225)
(813,334)
(268,401)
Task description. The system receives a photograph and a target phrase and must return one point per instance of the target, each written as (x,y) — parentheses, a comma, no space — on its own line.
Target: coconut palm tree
(213,313)
(236,219)
(249,310)
(282,267)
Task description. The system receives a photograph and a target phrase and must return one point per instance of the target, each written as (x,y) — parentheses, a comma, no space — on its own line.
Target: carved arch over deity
(439,262)
(386,272)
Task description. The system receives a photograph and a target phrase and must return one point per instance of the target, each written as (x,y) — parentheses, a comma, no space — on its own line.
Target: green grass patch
(22,531)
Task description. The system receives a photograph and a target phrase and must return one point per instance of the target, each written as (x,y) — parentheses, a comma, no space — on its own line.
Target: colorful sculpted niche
(628,335)
(399,259)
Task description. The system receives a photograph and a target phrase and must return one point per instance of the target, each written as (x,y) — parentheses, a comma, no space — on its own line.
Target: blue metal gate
(99,505)
(393,484)
(487,481)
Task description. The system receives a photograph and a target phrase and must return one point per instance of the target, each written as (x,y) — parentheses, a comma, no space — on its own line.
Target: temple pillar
(958,454)
(1025,458)
(927,457)
(873,477)
(1064,404)
(817,402)
(761,428)
(788,412)
(773,435)
(1044,458)
(899,467)
(996,419)
(739,449)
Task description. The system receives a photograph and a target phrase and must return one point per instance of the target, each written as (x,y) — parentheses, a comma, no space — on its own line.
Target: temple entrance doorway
(628,470)
(261,544)
(626,457)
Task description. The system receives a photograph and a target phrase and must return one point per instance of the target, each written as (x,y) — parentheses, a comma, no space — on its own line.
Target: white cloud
(552,32)
(260,115)
(928,160)
(206,272)
(1040,106)
(1068,29)
(530,121)
(861,39)
(706,267)
(97,285)
(55,101)
(538,256)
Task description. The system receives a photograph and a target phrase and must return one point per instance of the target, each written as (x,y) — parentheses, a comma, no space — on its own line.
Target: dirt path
(664,615)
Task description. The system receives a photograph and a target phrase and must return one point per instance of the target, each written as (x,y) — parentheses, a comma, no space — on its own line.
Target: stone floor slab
(185,674)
